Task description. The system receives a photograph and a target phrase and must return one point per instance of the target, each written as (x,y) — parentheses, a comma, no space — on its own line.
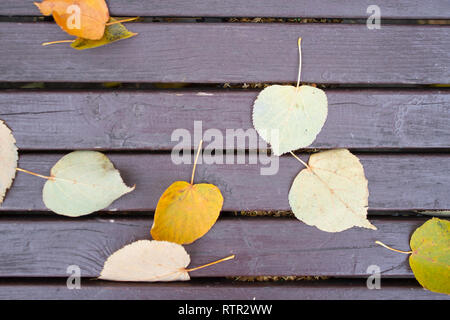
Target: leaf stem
(34,174)
(211,263)
(301,161)
(299,61)
(56,42)
(196,159)
(392,249)
(120,21)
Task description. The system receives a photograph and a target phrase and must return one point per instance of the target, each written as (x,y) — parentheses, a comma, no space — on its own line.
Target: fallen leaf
(8,159)
(430,255)
(290,117)
(113,33)
(436,213)
(430,259)
(332,192)
(81,18)
(146,260)
(83,182)
(150,261)
(186,211)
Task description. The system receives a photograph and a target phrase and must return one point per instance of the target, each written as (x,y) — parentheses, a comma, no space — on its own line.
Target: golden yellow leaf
(186,211)
(82,18)
(332,192)
(8,159)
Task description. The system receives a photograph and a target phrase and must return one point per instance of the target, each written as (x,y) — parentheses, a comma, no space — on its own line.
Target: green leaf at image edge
(430,259)
(113,33)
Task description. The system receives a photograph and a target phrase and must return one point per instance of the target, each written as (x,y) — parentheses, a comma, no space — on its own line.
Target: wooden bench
(384,104)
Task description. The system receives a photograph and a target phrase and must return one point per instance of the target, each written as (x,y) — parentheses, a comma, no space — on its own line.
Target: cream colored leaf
(8,159)
(290,118)
(332,193)
(146,260)
(83,182)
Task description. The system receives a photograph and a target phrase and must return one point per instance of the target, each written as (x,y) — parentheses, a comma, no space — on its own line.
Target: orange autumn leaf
(82,18)
(186,211)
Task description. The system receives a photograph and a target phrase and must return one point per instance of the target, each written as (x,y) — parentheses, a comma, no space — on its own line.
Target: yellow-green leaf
(430,258)
(83,182)
(113,33)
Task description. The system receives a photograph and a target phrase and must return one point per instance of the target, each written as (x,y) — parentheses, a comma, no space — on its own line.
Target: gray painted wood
(215,290)
(218,53)
(36,247)
(409,9)
(396,181)
(145,120)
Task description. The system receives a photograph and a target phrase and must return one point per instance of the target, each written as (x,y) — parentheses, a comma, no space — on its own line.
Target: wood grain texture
(36,247)
(332,290)
(145,120)
(396,181)
(218,53)
(405,9)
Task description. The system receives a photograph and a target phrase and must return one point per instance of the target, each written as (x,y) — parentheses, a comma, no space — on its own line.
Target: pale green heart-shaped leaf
(430,258)
(332,192)
(113,33)
(8,159)
(83,182)
(289,118)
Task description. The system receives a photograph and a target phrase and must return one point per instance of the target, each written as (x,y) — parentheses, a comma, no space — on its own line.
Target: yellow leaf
(82,18)
(186,211)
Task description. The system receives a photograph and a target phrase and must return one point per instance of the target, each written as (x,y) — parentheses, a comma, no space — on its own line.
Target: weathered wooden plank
(217,290)
(404,9)
(217,53)
(145,120)
(36,247)
(396,181)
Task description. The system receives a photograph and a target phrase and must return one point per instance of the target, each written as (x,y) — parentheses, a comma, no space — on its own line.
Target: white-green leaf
(8,159)
(290,118)
(83,182)
(332,193)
